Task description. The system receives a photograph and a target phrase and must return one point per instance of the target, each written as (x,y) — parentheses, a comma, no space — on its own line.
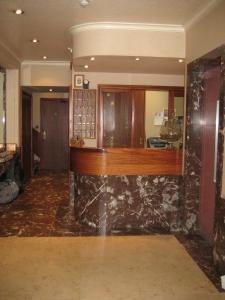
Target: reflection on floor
(107,268)
(44,209)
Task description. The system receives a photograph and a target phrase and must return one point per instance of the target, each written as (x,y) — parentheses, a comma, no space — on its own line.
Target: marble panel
(193,161)
(109,203)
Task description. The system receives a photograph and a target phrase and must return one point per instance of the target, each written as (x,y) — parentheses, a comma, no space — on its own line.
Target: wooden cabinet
(121,118)
(84,113)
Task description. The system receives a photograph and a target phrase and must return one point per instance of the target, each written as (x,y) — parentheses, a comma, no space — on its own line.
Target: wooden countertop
(125,161)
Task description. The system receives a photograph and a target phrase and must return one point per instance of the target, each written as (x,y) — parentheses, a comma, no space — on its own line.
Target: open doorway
(47,139)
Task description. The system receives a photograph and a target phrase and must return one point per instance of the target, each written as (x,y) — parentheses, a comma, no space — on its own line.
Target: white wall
(45,74)
(12,106)
(36,105)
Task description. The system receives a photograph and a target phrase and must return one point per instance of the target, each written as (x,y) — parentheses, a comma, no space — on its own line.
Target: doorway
(54,152)
(210,119)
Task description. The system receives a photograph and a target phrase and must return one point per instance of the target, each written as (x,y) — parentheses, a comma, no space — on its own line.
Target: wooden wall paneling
(138,118)
(138,92)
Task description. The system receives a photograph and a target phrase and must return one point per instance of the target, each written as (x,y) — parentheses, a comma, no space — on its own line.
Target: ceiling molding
(209,7)
(12,53)
(126,26)
(45,63)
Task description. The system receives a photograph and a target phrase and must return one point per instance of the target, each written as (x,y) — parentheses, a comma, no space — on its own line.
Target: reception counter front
(127,189)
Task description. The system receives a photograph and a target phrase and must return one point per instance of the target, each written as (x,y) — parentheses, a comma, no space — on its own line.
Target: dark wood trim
(27,158)
(126,161)
(70,112)
(3,71)
(107,87)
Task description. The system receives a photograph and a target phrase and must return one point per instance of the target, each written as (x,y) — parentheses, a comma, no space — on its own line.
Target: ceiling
(122,64)
(49,21)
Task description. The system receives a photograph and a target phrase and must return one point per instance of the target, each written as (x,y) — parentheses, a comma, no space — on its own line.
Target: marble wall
(108,203)
(192,148)
(192,169)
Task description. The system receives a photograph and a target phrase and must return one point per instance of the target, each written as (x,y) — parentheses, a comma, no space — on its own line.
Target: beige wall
(45,74)
(155,101)
(96,78)
(207,33)
(36,105)
(12,106)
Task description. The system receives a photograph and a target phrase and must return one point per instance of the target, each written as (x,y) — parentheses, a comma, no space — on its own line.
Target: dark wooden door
(138,118)
(117,119)
(207,184)
(27,135)
(54,134)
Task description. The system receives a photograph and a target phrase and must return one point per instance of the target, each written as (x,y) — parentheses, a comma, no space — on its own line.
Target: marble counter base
(109,203)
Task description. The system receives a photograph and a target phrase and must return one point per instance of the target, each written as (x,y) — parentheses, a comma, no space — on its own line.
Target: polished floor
(44,210)
(100,268)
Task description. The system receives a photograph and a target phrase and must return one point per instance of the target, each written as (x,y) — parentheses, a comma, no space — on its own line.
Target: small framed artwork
(78,81)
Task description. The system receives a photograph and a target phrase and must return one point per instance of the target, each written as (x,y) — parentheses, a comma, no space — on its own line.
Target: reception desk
(122,189)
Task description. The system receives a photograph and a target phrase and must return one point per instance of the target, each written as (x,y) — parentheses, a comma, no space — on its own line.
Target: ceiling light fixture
(137,58)
(50,90)
(34,41)
(92,58)
(86,66)
(84,3)
(70,49)
(44,57)
(180,60)
(18,11)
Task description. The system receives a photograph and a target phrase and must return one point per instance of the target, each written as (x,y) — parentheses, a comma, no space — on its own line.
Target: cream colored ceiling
(50,20)
(120,64)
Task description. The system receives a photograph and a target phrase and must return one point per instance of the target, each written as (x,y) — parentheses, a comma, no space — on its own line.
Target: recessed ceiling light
(84,3)
(34,41)
(18,11)
(92,58)
(86,66)
(44,57)
(180,60)
(50,90)
(137,58)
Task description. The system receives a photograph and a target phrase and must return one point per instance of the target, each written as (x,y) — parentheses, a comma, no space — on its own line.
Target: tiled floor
(100,268)
(44,210)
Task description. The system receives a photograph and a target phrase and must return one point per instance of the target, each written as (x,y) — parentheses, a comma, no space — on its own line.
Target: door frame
(23,93)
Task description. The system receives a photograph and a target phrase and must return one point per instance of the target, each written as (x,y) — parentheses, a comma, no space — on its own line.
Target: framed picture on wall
(78,81)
